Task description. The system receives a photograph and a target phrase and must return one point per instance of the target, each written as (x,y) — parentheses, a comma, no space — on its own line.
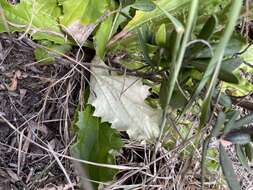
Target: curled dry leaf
(14,81)
(120,100)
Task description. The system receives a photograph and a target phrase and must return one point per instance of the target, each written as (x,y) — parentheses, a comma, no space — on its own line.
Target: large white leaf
(120,101)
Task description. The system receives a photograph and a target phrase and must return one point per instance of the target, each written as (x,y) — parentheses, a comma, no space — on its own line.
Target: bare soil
(39,101)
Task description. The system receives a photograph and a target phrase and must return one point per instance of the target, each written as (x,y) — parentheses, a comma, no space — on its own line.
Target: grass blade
(241,155)
(177,65)
(244,121)
(220,121)
(228,170)
(214,133)
(230,125)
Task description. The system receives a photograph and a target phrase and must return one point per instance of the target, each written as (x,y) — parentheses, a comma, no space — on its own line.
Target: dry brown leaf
(14,81)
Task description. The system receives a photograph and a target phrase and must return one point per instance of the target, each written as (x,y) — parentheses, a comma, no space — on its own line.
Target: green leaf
(143,38)
(208,28)
(231,123)
(234,46)
(41,55)
(96,142)
(178,100)
(38,17)
(205,34)
(174,44)
(228,170)
(203,158)
(248,56)
(161,34)
(47,56)
(179,51)
(243,88)
(215,63)
(226,71)
(80,17)
(141,17)
(249,151)
(248,119)
(102,36)
(220,121)
(144,5)
(225,100)
(173,7)
(125,3)
(237,137)
(214,133)
(163,94)
(83,11)
(241,155)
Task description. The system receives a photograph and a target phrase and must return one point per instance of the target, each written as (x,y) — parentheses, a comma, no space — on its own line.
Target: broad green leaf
(102,36)
(208,28)
(47,56)
(248,69)
(96,142)
(163,93)
(175,42)
(220,121)
(226,71)
(161,34)
(248,119)
(228,170)
(225,100)
(141,17)
(125,3)
(231,123)
(39,18)
(237,137)
(234,46)
(83,11)
(178,100)
(80,17)
(248,56)
(174,7)
(142,35)
(243,88)
(205,34)
(144,5)
(120,101)
(241,155)
(41,55)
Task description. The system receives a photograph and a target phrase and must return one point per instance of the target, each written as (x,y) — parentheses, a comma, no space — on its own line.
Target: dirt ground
(39,101)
